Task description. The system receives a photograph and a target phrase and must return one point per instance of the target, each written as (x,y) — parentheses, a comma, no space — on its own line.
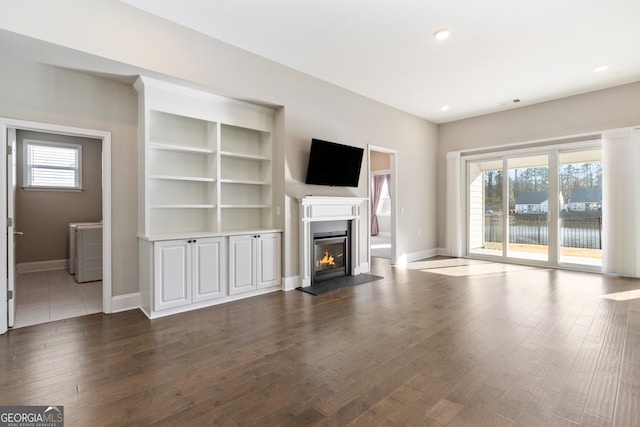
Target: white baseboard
(364,268)
(125,302)
(417,256)
(30,267)
(290,283)
(442,251)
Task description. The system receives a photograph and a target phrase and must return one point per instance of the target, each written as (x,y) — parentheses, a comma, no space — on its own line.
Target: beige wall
(310,108)
(44,216)
(41,93)
(582,114)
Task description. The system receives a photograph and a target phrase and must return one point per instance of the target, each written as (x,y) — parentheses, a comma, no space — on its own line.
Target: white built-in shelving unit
(205,162)
(205,171)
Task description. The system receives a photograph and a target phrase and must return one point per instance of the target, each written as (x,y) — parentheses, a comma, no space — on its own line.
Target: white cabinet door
(268,260)
(209,267)
(242,277)
(172,274)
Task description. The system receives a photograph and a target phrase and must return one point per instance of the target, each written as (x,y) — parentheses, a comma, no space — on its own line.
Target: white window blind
(52,164)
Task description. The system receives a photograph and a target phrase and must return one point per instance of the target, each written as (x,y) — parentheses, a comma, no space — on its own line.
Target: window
(52,165)
(384,206)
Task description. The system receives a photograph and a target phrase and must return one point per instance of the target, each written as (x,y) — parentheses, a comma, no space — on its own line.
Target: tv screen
(334,164)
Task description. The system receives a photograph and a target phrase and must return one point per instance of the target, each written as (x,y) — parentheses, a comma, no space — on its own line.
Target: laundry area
(58,238)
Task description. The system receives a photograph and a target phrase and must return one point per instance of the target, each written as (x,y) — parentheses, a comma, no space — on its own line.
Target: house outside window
(52,165)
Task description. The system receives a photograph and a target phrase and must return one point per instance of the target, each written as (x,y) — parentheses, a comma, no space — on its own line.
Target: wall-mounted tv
(334,164)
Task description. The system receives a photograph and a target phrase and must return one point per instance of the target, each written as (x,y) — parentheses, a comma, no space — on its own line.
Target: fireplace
(327,217)
(330,250)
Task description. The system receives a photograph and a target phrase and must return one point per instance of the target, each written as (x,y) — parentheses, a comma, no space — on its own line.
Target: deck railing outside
(577,229)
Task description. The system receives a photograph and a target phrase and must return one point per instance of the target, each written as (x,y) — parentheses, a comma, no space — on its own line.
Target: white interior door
(11,229)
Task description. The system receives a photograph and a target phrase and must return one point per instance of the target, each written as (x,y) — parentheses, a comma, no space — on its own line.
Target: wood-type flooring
(442,342)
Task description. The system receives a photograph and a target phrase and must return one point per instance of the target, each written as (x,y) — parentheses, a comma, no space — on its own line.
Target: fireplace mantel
(324,208)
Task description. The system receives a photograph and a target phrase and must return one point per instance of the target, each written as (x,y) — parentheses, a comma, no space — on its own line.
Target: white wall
(582,114)
(127,41)
(47,94)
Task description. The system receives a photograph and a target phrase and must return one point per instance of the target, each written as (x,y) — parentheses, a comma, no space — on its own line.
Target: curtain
(621,202)
(454,217)
(378,182)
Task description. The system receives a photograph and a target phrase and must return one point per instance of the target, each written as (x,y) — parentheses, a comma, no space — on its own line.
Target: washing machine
(88,253)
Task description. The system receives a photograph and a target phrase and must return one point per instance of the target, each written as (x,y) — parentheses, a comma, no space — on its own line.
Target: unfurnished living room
(320,213)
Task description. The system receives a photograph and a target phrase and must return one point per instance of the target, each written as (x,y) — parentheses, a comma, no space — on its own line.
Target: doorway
(9,269)
(62,176)
(382,189)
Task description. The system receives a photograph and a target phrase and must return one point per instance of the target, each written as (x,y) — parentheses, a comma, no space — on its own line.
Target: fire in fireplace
(330,249)
(327,260)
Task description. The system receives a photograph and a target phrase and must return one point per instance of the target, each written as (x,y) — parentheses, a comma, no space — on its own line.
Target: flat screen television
(334,164)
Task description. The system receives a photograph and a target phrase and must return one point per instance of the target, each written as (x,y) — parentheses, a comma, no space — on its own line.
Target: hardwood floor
(437,343)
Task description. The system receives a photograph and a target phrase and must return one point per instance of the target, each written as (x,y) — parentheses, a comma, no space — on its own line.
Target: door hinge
(9,222)
(9,295)
(9,150)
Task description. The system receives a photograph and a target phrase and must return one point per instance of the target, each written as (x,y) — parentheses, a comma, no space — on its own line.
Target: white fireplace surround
(323,208)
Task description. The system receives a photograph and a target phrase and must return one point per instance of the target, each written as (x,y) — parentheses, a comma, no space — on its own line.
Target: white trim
(125,302)
(67,189)
(420,255)
(364,267)
(455,226)
(7,123)
(290,283)
(30,267)
(394,198)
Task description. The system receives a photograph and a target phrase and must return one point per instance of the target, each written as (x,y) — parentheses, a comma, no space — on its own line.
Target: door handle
(18,233)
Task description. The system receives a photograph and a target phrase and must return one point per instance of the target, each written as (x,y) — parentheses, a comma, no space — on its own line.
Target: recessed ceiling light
(442,34)
(444,108)
(601,68)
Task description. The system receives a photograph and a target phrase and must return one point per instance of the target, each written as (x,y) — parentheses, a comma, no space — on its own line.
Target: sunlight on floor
(623,296)
(464,267)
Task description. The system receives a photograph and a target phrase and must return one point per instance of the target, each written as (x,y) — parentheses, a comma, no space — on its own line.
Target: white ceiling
(499,50)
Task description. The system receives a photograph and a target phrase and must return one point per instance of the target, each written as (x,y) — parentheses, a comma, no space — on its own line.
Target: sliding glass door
(580,181)
(543,207)
(529,204)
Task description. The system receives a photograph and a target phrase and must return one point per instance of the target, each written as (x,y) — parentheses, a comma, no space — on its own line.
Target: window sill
(63,189)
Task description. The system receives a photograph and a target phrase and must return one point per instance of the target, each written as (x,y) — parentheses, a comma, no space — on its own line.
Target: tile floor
(45,296)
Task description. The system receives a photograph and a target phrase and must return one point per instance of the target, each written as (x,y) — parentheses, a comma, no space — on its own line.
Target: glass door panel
(580,182)
(485,201)
(528,230)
